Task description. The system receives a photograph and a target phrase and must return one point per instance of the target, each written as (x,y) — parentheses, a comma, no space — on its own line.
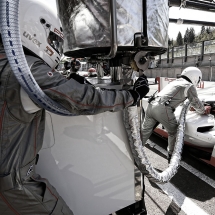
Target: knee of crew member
(172,129)
(172,133)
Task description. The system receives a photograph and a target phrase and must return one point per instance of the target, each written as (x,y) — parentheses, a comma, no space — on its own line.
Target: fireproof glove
(67,65)
(141,88)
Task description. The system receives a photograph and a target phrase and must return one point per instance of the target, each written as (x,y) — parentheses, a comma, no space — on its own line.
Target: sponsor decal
(59,33)
(49,51)
(32,38)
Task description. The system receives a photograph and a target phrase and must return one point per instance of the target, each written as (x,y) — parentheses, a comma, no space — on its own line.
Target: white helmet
(41,31)
(194,74)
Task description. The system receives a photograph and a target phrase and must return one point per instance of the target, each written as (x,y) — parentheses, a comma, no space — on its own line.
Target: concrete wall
(174,67)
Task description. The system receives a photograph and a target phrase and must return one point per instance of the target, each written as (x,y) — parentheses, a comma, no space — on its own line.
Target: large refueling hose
(133,130)
(9,28)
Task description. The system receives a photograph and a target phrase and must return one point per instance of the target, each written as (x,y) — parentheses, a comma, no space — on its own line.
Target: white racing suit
(22,191)
(162,108)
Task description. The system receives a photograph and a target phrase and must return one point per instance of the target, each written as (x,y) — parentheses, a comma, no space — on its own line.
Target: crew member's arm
(196,103)
(81,98)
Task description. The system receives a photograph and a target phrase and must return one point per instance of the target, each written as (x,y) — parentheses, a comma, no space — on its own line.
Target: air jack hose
(133,130)
(9,28)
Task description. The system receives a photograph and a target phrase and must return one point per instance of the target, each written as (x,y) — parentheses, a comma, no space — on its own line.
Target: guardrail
(171,63)
(199,49)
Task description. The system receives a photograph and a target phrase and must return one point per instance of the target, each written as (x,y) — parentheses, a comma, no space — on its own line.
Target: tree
(170,42)
(206,33)
(202,30)
(201,35)
(179,39)
(186,36)
(208,30)
(191,35)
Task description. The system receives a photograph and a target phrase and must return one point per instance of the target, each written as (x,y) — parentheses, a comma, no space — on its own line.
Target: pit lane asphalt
(191,191)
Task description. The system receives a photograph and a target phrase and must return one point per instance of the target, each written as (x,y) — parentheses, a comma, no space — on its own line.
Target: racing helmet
(193,74)
(41,31)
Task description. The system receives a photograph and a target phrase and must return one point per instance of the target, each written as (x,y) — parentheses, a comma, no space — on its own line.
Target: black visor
(55,42)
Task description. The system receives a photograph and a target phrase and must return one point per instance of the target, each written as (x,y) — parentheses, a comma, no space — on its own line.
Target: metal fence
(200,49)
(172,63)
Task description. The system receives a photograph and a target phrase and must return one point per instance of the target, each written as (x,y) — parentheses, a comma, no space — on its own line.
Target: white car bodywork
(199,129)
(88,160)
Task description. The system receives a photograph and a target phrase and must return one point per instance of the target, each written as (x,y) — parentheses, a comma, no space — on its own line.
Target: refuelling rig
(90,159)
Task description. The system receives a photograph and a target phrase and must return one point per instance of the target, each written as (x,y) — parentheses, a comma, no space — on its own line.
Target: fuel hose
(9,28)
(132,126)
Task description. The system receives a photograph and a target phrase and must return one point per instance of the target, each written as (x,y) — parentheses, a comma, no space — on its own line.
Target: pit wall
(173,67)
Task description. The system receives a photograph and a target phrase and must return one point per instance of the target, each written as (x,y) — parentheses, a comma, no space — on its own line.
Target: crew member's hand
(207,109)
(141,88)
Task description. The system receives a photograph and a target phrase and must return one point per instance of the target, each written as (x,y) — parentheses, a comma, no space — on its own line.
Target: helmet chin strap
(199,80)
(186,78)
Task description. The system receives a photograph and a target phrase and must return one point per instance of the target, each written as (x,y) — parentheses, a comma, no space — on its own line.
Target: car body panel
(88,160)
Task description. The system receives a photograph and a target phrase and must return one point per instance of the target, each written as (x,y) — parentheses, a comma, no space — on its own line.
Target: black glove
(141,88)
(67,65)
(75,65)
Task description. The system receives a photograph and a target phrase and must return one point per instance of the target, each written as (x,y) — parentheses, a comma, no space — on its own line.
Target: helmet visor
(56,42)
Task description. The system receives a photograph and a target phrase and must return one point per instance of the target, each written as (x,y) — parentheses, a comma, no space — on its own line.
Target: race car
(199,135)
